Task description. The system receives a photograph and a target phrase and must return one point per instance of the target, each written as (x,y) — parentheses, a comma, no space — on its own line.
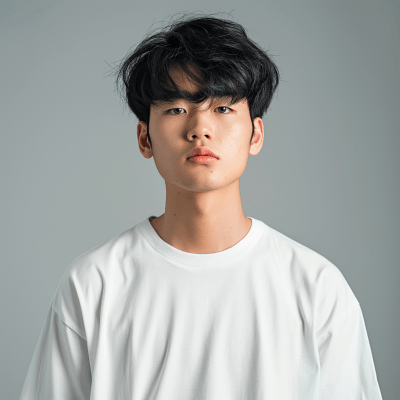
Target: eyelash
(180,108)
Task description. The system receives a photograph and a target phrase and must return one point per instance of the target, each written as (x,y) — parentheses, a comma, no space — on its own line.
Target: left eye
(226,108)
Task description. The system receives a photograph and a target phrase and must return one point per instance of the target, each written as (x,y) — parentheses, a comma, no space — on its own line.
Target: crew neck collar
(204,261)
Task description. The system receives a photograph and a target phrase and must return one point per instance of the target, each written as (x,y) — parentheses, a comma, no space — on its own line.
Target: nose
(199,125)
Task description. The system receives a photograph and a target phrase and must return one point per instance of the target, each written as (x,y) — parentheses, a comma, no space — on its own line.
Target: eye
(175,109)
(226,108)
(172,109)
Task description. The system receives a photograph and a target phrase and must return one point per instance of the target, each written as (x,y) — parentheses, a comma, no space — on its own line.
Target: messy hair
(227,62)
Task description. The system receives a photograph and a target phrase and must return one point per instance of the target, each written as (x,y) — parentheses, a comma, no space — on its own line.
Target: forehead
(186,84)
(182,80)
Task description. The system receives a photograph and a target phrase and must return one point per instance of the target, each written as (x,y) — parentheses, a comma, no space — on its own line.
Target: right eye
(174,109)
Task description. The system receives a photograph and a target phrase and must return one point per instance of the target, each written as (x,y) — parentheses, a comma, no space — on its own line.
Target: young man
(202,302)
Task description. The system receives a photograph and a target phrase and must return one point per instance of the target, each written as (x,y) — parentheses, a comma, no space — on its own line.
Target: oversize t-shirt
(268,318)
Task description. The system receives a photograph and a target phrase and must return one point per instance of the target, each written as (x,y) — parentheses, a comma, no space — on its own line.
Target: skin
(203,209)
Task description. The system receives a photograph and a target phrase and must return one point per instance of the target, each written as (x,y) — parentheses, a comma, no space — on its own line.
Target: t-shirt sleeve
(60,367)
(347,366)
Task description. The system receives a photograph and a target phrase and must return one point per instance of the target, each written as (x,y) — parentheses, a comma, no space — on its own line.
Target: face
(177,128)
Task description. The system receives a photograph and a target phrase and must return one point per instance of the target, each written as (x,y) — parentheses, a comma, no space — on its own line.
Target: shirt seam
(62,320)
(277,241)
(330,327)
(223,264)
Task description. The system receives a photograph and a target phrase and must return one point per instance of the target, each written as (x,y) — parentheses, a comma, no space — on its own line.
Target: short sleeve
(347,366)
(60,367)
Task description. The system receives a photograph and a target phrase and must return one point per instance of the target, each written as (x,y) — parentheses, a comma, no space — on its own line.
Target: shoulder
(97,260)
(316,278)
(304,260)
(82,284)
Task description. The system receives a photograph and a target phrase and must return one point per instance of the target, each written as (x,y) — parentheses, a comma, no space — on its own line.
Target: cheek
(238,146)
(238,154)
(169,162)
(238,163)
(163,147)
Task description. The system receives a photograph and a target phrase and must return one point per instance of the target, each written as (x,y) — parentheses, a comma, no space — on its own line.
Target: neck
(202,222)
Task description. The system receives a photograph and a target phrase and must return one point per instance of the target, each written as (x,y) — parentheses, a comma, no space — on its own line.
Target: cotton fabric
(268,318)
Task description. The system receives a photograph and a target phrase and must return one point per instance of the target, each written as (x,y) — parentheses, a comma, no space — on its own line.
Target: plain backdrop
(72,175)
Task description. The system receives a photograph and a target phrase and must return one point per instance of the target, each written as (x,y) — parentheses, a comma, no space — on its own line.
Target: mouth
(202,159)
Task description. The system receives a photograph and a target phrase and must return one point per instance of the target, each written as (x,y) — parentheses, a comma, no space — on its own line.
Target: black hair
(227,62)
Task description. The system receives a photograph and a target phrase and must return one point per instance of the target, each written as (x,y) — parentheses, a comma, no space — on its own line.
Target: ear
(143,141)
(258,137)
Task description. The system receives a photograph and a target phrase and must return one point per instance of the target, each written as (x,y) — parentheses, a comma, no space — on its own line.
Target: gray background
(72,175)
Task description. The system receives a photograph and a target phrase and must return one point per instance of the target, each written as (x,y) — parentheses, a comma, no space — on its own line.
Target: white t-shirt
(135,318)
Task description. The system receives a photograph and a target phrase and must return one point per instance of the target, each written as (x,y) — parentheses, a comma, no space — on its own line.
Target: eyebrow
(163,103)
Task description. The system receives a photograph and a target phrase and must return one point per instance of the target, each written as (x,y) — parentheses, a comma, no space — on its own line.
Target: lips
(202,151)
